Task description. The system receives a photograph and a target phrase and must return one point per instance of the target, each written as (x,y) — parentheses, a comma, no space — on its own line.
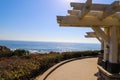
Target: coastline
(46,47)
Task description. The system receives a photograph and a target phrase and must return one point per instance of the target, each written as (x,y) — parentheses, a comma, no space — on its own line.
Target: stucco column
(113,65)
(113,56)
(106,46)
(118,39)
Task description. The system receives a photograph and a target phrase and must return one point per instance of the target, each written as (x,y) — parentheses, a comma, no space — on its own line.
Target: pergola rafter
(93,35)
(85,9)
(90,35)
(113,8)
(78,6)
(87,21)
(96,7)
(107,10)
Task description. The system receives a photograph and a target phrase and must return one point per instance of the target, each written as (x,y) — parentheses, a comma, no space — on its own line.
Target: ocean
(43,47)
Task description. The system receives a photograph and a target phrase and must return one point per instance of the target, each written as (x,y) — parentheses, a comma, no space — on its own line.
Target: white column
(118,36)
(113,56)
(106,46)
(102,45)
(106,52)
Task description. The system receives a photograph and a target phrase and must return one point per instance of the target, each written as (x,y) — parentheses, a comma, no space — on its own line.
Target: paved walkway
(82,69)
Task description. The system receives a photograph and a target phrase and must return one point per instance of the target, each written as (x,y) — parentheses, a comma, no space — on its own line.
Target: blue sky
(35,20)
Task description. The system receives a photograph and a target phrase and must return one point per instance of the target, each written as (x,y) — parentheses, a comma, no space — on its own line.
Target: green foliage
(19,52)
(6,54)
(19,68)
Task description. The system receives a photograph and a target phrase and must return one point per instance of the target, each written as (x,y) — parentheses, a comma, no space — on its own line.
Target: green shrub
(6,54)
(19,68)
(19,52)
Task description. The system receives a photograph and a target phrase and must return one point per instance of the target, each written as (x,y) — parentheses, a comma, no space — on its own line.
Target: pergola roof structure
(88,14)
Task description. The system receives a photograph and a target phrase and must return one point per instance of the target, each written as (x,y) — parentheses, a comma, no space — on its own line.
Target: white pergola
(104,19)
(94,35)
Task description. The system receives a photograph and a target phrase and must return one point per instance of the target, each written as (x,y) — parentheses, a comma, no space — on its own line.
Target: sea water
(42,47)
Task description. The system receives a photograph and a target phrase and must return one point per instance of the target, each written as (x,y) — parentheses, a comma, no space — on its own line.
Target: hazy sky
(35,20)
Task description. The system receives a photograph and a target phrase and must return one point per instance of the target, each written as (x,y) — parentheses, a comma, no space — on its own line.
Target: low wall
(105,75)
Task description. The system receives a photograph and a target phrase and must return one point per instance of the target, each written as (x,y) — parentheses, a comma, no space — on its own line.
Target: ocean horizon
(45,47)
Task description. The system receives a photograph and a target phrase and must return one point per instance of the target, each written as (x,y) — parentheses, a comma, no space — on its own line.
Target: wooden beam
(85,9)
(93,35)
(94,13)
(113,8)
(74,21)
(89,36)
(101,33)
(74,12)
(116,15)
(90,33)
(97,7)
(91,13)
(99,39)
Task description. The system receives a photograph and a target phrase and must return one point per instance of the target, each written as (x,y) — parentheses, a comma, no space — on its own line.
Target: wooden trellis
(104,19)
